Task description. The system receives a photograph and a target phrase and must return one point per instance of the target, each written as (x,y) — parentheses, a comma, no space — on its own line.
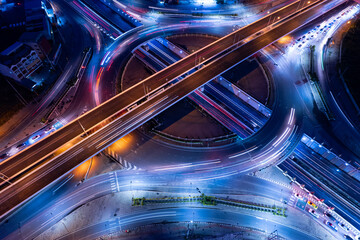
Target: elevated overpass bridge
(29,171)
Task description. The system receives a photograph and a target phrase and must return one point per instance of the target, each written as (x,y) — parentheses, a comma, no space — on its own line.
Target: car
(313,205)
(331,225)
(49,129)
(347,237)
(299,196)
(35,137)
(20,145)
(331,217)
(2,156)
(344,227)
(312,212)
(299,46)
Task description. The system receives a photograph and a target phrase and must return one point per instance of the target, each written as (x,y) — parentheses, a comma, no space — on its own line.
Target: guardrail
(244,96)
(212,201)
(316,90)
(87,54)
(206,142)
(330,156)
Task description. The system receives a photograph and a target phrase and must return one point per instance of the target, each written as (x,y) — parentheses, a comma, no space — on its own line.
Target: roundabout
(261,145)
(194,128)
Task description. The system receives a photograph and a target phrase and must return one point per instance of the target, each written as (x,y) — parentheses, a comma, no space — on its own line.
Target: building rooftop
(14,53)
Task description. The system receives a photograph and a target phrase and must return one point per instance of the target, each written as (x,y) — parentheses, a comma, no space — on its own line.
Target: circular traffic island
(190,122)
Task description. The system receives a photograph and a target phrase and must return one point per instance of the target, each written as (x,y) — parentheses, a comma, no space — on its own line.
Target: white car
(34,138)
(299,196)
(49,129)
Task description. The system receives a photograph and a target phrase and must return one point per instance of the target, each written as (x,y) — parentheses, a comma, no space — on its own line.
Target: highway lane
(93,17)
(159,57)
(68,160)
(188,214)
(212,97)
(36,153)
(344,188)
(330,198)
(252,117)
(227,119)
(329,172)
(33,222)
(122,23)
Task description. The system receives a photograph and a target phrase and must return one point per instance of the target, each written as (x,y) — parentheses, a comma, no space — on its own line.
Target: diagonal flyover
(15,194)
(30,158)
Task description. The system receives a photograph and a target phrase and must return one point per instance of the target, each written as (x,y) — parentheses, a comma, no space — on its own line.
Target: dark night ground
(350,61)
(9,103)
